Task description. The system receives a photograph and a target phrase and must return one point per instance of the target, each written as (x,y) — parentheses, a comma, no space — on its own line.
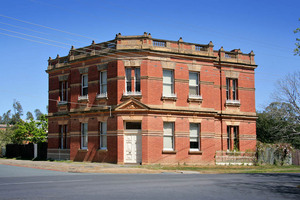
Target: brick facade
(139,90)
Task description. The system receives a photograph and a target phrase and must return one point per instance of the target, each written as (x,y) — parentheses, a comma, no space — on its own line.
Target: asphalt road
(27,183)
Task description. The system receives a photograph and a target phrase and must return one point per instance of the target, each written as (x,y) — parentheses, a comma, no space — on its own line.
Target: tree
(18,112)
(277,123)
(32,131)
(297,49)
(288,92)
(6,117)
(29,115)
(38,114)
(5,136)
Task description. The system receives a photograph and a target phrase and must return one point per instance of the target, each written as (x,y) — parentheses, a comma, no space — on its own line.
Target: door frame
(138,133)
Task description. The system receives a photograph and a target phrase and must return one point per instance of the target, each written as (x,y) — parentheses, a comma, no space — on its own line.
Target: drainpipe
(221,96)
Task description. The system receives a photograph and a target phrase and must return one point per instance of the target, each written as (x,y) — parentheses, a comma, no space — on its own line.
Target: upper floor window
(231,89)
(63,91)
(194,83)
(128,79)
(84,85)
(168,83)
(132,81)
(103,82)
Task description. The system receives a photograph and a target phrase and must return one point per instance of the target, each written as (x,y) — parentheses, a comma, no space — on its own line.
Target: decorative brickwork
(147,83)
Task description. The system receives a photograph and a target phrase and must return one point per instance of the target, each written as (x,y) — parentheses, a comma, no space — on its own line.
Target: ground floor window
(63,136)
(233,142)
(103,135)
(84,136)
(194,136)
(168,142)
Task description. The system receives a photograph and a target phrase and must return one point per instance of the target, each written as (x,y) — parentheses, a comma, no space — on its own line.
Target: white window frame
(64,90)
(82,84)
(103,134)
(102,83)
(84,135)
(166,84)
(198,137)
(197,85)
(172,136)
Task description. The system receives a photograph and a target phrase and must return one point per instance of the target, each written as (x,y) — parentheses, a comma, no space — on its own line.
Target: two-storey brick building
(136,99)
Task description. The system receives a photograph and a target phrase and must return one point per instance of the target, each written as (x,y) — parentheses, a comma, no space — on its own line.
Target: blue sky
(266,27)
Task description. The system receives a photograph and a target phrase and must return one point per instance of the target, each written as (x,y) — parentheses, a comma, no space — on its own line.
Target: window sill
(128,96)
(195,152)
(101,96)
(102,150)
(235,103)
(169,151)
(195,99)
(134,94)
(62,103)
(170,98)
(83,98)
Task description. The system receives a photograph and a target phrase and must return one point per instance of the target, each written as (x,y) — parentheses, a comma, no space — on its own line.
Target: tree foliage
(18,112)
(32,131)
(38,114)
(278,123)
(19,131)
(29,115)
(297,49)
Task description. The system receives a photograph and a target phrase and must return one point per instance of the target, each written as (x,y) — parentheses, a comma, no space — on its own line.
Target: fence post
(35,152)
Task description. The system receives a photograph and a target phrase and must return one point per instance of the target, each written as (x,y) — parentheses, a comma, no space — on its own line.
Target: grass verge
(209,169)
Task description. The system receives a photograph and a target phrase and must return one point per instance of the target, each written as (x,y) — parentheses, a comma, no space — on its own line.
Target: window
(194,83)
(233,142)
(168,83)
(84,85)
(132,84)
(234,92)
(103,82)
(194,137)
(128,79)
(168,142)
(133,125)
(63,136)
(63,91)
(231,89)
(84,136)
(137,80)
(103,135)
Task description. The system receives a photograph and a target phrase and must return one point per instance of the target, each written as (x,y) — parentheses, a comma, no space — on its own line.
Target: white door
(132,148)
